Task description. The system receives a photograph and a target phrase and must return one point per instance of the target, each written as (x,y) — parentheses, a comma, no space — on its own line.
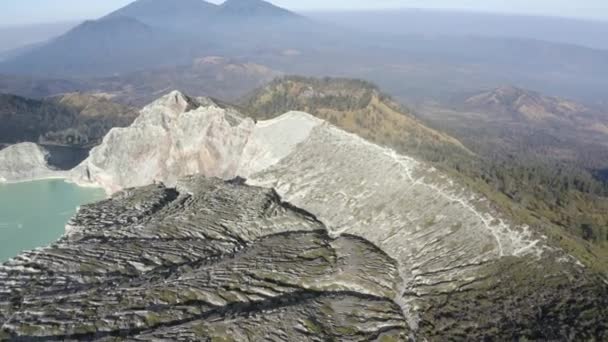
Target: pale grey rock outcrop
(173,137)
(178,136)
(25,161)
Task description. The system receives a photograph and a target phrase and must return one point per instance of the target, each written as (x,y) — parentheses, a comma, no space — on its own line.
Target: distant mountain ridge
(528,104)
(205,75)
(176,15)
(190,14)
(79,120)
(153,12)
(408,66)
(255,8)
(149,34)
(515,120)
(544,113)
(108,45)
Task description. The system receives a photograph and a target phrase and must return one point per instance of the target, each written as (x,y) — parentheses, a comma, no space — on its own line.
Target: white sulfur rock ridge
(173,137)
(24,162)
(178,136)
(273,140)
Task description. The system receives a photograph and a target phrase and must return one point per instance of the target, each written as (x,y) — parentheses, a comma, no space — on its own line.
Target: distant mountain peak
(156,11)
(162,7)
(195,15)
(248,3)
(507,96)
(254,8)
(168,13)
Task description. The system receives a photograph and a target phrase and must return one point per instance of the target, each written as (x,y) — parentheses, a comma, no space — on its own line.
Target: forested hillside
(69,120)
(356,106)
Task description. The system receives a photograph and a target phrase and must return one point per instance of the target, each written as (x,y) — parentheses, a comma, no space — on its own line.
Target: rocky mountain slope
(72,119)
(207,260)
(466,270)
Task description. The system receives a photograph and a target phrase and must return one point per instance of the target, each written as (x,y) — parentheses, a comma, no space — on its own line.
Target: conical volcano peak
(154,8)
(253,8)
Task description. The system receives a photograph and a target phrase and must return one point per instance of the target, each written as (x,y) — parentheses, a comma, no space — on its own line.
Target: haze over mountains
(588,33)
(23,36)
(213,76)
(151,34)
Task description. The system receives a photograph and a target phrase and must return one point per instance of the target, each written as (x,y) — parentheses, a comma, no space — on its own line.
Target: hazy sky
(16,12)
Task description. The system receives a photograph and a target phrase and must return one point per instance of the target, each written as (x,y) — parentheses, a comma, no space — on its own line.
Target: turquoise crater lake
(34,214)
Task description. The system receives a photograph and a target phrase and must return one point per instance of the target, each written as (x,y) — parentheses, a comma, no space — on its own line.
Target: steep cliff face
(171,138)
(464,269)
(178,136)
(25,161)
(207,260)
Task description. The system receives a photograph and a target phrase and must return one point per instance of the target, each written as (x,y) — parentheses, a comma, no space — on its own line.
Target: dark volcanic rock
(516,299)
(207,260)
